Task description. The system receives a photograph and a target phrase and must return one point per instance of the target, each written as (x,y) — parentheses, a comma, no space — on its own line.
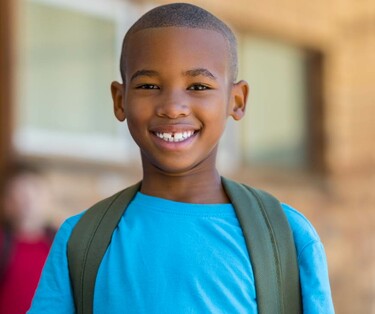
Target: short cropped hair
(183,15)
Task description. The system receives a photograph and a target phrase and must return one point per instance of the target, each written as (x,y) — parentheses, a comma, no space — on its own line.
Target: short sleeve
(312,263)
(316,292)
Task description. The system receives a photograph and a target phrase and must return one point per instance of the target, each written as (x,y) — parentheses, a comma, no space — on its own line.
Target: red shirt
(22,273)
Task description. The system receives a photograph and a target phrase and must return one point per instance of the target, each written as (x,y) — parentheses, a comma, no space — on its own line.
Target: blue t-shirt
(172,257)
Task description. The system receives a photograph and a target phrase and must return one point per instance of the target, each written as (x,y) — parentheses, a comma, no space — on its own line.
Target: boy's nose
(173,106)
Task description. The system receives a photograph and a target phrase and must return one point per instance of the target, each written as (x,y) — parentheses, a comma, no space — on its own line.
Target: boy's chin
(176,168)
(179,164)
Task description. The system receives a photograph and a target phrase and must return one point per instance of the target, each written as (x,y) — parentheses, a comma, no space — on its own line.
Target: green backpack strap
(88,243)
(271,248)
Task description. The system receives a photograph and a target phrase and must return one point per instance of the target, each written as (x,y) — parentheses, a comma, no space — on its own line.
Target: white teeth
(175,137)
(178,136)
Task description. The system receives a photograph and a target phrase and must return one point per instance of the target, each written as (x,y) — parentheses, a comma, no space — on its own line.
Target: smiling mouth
(175,137)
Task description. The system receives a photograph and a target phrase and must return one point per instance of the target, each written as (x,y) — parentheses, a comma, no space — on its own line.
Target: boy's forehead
(182,15)
(171,39)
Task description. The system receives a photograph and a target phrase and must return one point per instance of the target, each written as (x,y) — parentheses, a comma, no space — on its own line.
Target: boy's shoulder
(303,231)
(69,223)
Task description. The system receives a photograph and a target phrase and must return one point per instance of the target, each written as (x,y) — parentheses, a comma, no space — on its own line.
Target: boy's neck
(200,188)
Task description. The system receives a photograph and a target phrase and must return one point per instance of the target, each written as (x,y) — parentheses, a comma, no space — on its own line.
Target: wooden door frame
(7,10)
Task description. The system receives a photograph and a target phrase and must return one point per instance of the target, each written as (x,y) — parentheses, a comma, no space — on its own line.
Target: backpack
(266,230)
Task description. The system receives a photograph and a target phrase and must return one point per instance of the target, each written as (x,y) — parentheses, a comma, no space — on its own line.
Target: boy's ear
(240,91)
(117,90)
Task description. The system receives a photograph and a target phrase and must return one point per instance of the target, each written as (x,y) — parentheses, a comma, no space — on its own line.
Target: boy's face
(177,96)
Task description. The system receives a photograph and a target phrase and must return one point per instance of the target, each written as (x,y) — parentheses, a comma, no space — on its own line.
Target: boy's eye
(198,87)
(147,86)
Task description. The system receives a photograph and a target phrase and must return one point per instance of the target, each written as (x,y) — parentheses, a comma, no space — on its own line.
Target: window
(275,130)
(69,56)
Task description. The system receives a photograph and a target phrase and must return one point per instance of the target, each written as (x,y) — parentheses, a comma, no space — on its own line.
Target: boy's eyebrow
(193,73)
(200,71)
(149,73)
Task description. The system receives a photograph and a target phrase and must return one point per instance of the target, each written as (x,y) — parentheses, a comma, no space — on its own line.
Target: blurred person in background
(25,238)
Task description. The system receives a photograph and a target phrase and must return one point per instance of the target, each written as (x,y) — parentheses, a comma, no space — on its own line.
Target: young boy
(179,248)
